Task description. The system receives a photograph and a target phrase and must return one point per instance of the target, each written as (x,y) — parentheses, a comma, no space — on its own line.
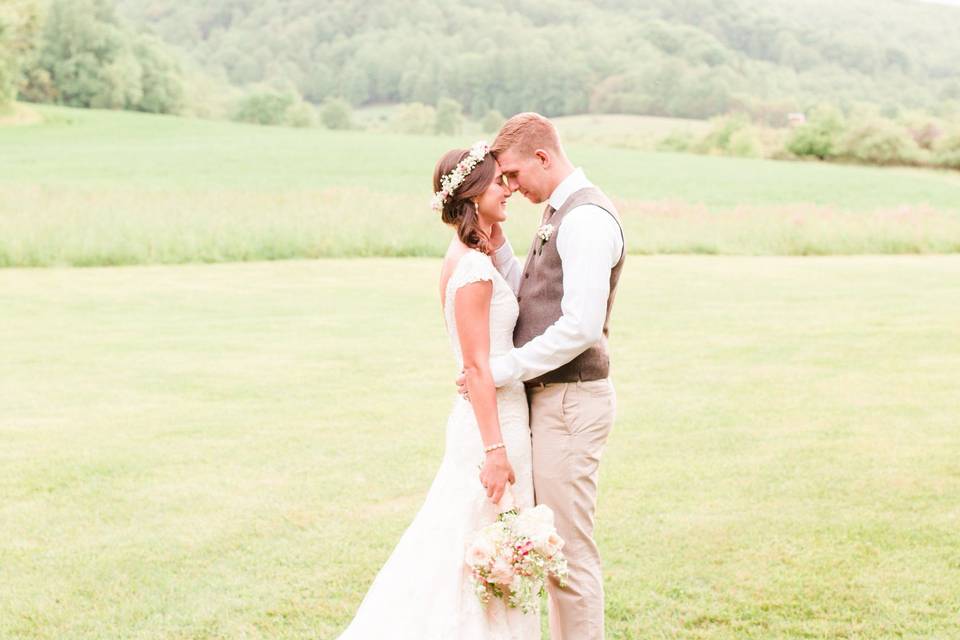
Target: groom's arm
(508,265)
(590,244)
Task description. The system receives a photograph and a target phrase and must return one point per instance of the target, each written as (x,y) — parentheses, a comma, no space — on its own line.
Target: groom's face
(524,172)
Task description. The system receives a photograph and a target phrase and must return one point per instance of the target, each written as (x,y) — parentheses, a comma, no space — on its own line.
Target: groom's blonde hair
(526,132)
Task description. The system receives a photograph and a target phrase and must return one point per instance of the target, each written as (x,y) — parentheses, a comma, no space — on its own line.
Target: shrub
(678,140)
(730,135)
(335,113)
(264,107)
(947,151)
(819,137)
(301,114)
(924,128)
(414,118)
(880,142)
(449,120)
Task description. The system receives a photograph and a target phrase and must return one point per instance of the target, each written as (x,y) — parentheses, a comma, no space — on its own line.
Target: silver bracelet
(494,447)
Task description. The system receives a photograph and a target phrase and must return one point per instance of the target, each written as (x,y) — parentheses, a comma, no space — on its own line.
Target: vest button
(526,275)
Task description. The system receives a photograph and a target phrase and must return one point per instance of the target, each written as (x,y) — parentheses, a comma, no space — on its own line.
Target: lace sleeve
(474,267)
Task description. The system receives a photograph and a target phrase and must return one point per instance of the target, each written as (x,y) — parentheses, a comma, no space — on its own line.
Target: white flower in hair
(452,181)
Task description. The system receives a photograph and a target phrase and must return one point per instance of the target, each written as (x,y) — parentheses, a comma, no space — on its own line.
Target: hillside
(692,59)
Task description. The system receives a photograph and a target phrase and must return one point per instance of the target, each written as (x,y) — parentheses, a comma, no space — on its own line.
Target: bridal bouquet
(512,558)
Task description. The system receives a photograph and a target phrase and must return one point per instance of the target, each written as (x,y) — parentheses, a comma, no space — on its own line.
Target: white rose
(480,552)
(542,513)
(551,545)
(535,524)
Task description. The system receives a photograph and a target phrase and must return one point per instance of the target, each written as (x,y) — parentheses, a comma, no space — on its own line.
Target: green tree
(9,62)
(122,87)
(335,113)
(355,85)
(19,28)
(319,83)
(81,42)
(449,120)
(161,79)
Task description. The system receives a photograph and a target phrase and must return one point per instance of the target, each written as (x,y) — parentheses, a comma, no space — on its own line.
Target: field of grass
(98,188)
(231,451)
(629,131)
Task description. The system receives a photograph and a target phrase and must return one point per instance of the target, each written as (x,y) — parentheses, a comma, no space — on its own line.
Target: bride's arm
(472,312)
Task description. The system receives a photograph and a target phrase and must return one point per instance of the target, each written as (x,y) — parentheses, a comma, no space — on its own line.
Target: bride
(424,592)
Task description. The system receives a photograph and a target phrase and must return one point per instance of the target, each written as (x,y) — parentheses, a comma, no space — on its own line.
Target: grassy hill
(91,187)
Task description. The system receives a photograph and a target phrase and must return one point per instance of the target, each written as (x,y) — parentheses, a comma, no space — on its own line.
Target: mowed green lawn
(90,187)
(231,451)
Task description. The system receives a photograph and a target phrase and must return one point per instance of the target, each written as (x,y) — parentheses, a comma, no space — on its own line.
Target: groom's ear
(543,157)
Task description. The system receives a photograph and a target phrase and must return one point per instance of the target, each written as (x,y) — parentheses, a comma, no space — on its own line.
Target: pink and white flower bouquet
(512,558)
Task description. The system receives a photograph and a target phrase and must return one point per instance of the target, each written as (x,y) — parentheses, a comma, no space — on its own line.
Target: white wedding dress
(423,592)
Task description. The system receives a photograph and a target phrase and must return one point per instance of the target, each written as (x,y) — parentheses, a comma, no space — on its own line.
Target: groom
(565,291)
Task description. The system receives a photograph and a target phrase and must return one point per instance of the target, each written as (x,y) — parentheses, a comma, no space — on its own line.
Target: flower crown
(452,181)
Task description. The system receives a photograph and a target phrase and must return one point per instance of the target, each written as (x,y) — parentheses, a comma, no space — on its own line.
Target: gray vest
(541,290)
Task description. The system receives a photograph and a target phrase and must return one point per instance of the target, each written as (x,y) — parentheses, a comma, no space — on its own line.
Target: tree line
(695,59)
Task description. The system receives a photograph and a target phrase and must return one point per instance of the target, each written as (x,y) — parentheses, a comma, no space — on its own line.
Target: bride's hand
(496,473)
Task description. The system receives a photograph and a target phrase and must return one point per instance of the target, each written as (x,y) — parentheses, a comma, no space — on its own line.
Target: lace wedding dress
(423,592)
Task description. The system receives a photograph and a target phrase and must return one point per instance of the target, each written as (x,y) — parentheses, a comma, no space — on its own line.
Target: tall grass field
(232,451)
(86,187)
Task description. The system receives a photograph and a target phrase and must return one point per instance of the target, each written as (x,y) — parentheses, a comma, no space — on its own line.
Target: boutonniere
(544,233)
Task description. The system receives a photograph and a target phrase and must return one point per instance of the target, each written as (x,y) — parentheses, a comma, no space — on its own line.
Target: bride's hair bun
(459,210)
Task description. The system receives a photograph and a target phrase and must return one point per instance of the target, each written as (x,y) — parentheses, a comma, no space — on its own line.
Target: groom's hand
(496,473)
(496,236)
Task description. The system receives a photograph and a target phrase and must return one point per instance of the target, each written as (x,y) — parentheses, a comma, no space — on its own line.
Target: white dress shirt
(590,243)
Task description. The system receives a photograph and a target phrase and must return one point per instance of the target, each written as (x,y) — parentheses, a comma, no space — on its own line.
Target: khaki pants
(570,423)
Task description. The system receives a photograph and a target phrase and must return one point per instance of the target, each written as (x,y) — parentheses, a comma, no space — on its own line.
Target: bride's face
(492,203)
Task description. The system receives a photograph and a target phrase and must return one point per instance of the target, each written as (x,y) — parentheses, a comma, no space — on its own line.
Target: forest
(694,59)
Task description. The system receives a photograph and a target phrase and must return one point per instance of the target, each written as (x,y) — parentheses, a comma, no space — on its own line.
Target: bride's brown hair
(459,210)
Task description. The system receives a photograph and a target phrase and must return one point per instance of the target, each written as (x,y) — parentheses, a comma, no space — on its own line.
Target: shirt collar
(570,185)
